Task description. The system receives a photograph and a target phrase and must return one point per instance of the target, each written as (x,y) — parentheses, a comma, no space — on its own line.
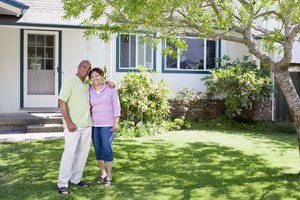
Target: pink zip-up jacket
(104,106)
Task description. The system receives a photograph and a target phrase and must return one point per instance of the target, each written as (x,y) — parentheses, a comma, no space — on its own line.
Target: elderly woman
(105,111)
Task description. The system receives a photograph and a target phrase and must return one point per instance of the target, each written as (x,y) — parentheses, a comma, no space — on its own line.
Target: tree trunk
(285,82)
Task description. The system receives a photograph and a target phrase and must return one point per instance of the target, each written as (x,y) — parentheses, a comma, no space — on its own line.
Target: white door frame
(40,101)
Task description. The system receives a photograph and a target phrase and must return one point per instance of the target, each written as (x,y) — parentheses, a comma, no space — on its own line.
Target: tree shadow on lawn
(146,170)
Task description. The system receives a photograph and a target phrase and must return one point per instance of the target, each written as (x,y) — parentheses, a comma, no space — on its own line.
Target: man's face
(83,70)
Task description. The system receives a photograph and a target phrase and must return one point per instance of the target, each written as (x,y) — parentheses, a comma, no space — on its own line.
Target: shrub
(176,124)
(144,103)
(240,83)
(184,98)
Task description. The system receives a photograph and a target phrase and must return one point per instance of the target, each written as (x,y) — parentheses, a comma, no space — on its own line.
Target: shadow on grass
(147,170)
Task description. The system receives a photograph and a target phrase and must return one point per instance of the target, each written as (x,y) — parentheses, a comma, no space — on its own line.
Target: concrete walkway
(16,137)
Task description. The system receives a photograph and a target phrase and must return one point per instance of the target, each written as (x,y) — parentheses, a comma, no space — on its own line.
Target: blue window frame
(199,57)
(133,51)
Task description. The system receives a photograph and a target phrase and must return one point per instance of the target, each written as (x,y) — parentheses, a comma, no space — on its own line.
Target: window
(40,52)
(200,55)
(133,51)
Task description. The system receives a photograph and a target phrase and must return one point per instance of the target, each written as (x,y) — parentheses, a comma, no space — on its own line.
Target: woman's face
(96,78)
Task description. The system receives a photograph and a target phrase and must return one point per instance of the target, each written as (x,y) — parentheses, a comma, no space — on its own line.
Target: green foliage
(240,83)
(176,124)
(144,104)
(105,73)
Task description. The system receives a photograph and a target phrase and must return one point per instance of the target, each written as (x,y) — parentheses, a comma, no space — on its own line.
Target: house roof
(41,12)
(12,7)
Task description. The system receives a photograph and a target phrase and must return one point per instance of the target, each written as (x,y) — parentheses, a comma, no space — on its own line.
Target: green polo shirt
(76,94)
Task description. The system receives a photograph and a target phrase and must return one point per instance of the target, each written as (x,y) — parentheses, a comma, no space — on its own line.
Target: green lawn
(176,165)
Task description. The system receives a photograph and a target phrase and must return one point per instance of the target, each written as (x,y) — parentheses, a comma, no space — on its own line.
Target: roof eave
(12,7)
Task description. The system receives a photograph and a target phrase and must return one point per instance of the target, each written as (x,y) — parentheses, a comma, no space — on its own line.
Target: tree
(207,19)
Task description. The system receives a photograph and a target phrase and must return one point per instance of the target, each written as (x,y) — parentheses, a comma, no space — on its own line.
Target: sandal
(107,183)
(63,190)
(101,179)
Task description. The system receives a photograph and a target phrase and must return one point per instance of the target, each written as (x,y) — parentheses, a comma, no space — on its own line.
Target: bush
(240,83)
(144,104)
(176,124)
(184,98)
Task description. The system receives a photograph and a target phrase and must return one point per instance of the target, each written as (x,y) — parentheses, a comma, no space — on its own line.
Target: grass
(219,163)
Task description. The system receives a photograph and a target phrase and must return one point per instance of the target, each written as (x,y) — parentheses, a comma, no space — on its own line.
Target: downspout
(273,97)
(111,60)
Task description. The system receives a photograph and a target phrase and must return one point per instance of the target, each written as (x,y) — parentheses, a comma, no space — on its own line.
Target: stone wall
(198,110)
(210,109)
(258,112)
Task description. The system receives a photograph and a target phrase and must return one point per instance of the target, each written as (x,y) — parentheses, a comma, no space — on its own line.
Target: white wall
(177,81)
(296,52)
(9,70)
(75,48)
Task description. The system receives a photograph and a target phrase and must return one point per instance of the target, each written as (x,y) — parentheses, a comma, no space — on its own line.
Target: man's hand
(110,84)
(71,127)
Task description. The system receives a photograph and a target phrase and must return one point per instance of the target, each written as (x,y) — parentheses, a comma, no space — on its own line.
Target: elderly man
(75,109)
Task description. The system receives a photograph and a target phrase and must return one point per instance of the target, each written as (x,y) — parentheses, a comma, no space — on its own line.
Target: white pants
(77,147)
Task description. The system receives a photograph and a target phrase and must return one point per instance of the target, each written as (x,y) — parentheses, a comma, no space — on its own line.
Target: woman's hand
(115,128)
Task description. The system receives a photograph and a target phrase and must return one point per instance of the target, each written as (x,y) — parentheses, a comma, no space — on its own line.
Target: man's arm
(65,113)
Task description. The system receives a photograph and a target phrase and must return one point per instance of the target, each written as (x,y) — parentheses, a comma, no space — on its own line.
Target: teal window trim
(182,71)
(118,69)
(219,52)
(22,68)
(59,67)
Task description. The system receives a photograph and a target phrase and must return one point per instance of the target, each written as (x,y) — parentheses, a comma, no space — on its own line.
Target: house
(39,49)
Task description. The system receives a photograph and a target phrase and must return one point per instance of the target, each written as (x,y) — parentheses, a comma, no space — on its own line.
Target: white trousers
(76,151)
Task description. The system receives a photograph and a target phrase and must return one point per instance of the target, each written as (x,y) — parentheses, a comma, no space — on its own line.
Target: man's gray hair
(85,62)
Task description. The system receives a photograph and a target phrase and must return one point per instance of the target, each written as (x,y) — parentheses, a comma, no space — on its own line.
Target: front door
(40,69)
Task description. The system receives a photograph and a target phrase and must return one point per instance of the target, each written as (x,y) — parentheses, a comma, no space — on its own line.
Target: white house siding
(9,69)
(177,81)
(296,52)
(76,48)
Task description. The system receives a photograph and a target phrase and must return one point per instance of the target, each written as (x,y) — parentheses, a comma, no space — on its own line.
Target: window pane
(148,54)
(31,40)
(40,40)
(49,64)
(39,64)
(49,40)
(132,51)
(171,62)
(31,63)
(124,51)
(49,53)
(141,53)
(31,52)
(40,52)
(193,57)
(211,54)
